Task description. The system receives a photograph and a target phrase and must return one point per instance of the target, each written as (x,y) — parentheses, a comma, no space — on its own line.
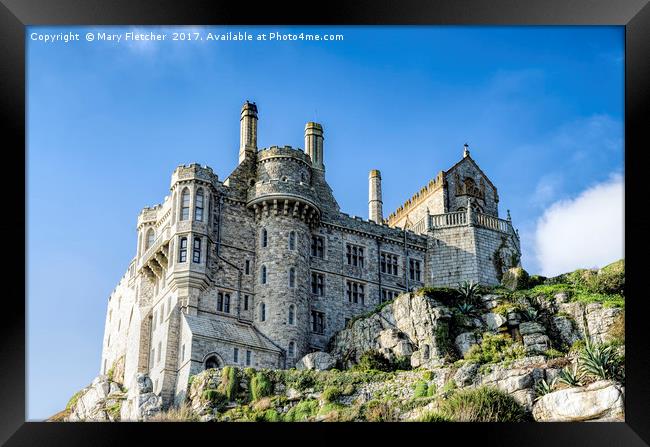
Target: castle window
(292,277)
(317,322)
(354,255)
(196,250)
(235,355)
(185,204)
(387,295)
(263,274)
(292,314)
(414,269)
(262,312)
(265,237)
(211,362)
(151,236)
(317,245)
(292,240)
(292,349)
(355,292)
(247,267)
(182,250)
(318,284)
(248,358)
(388,263)
(198,205)
(223,302)
(245,302)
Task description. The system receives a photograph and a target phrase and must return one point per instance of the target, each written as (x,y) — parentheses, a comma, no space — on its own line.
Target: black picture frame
(15,15)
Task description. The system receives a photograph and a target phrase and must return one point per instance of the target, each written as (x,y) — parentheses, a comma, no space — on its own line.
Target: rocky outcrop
(141,403)
(515,278)
(534,337)
(494,321)
(412,325)
(465,341)
(601,401)
(602,323)
(98,402)
(319,361)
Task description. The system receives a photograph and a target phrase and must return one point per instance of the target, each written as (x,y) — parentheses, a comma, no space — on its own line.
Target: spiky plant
(599,361)
(530,314)
(570,377)
(467,309)
(468,292)
(543,388)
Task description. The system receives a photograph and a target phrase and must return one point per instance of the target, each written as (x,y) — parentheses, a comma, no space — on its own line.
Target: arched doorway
(212,361)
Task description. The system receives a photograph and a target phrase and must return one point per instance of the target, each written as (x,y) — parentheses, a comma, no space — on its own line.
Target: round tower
(285,213)
(314,144)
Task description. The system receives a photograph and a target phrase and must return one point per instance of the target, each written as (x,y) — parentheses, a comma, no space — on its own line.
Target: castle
(263,267)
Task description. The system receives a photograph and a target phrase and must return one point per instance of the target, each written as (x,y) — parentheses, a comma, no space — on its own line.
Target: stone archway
(212,360)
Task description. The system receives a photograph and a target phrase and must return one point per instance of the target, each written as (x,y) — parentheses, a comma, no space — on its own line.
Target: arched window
(292,277)
(182,251)
(262,315)
(292,314)
(292,349)
(264,237)
(151,236)
(185,204)
(292,240)
(212,362)
(263,274)
(196,250)
(198,205)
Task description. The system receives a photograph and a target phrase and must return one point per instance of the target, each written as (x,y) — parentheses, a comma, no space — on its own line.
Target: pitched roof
(469,157)
(227,330)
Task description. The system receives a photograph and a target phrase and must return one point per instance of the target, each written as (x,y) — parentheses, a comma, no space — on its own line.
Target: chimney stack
(247,130)
(314,144)
(375,212)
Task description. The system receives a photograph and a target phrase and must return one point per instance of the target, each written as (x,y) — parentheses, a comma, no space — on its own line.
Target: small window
(292,314)
(354,255)
(388,263)
(198,205)
(235,355)
(223,302)
(262,312)
(247,267)
(263,274)
(355,292)
(182,250)
(185,204)
(317,322)
(317,246)
(414,269)
(196,250)
(248,358)
(318,284)
(151,236)
(292,277)
(292,240)
(264,237)
(245,302)
(387,295)
(291,352)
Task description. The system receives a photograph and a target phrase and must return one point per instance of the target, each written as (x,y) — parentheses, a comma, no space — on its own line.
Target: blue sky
(541,108)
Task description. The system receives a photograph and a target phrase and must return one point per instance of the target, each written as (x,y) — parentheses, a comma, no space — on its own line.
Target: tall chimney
(314,144)
(247,130)
(375,212)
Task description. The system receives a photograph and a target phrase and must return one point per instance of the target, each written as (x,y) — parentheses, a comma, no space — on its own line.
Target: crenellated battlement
(273,152)
(194,171)
(417,198)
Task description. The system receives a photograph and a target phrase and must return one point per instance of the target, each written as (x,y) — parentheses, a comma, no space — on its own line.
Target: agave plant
(543,388)
(468,291)
(599,361)
(530,314)
(570,377)
(466,308)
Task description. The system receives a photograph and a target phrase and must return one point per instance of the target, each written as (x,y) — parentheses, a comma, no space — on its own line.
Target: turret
(248,131)
(314,144)
(375,211)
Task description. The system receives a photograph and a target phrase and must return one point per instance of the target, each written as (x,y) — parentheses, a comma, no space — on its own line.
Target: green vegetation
(331,394)
(543,388)
(434,416)
(374,360)
(73,400)
(302,411)
(229,382)
(570,377)
(444,295)
(494,349)
(553,353)
(260,386)
(600,361)
(428,375)
(483,404)
(379,411)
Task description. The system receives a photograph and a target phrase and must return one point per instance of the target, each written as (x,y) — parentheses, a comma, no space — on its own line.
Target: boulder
(99,402)
(519,382)
(600,401)
(319,361)
(494,321)
(141,402)
(602,323)
(466,374)
(490,301)
(531,327)
(565,329)
(465,341)
(537,342)
(515,278)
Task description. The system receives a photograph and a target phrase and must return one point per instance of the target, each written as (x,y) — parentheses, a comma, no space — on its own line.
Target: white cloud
(584,232)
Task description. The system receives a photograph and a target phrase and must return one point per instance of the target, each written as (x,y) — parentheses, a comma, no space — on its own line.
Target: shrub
(401,363)
(331,394)
(444,295)
(599,361)
(229,382)
(302,411)
(421,389)
(260,386)
(543,387)
(432,390)
(494,349)
(449,386)
(374,360)
(183,413)
(271,415)
(553,353)
(483,404)
(348,390)
(378,411)
(216,398)
(434,416)
(536,280)
(428,375)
